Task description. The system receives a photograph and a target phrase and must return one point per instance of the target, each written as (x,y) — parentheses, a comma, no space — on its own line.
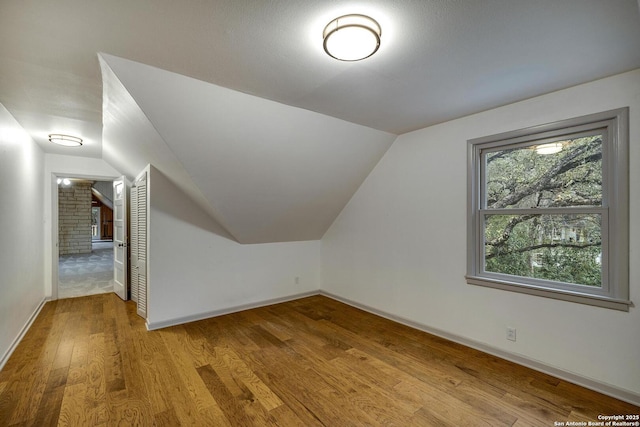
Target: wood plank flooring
(312,362)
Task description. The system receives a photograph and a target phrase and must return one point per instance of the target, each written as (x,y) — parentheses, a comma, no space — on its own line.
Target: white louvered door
(139,240)
(133,238)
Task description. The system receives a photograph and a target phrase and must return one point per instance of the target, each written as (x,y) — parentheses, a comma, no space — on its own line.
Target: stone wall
(74,218)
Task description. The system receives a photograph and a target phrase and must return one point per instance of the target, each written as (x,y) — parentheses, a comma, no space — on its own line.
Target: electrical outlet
(511,334)
(297,280)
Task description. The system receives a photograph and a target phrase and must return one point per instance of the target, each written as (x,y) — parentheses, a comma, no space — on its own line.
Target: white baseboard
(600,387)
(23,331)
(193,318)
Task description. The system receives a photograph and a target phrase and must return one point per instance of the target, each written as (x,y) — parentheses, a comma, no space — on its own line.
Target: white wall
(196,273)
(195,268)
(292,170)
(21,221)
(56,165)
(400,245)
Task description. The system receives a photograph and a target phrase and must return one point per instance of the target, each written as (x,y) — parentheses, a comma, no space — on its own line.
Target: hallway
(86,274)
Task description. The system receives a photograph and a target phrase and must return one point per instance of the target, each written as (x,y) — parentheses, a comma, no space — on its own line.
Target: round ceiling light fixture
(352,37)
(65,140)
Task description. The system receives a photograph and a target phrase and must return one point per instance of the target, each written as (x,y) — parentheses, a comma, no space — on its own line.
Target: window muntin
(548,210)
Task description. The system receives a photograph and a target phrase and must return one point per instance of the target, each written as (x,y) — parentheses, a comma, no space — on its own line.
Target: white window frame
(614,293)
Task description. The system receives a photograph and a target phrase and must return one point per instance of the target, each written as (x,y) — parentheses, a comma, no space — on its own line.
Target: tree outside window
(548,210)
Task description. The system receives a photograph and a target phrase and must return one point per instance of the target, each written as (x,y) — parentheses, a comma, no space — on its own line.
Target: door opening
(85,237)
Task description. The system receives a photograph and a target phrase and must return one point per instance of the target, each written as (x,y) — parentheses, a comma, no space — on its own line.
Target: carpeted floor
(86,274)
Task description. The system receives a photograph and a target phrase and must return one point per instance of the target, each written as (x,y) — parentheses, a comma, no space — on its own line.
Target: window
(549,210)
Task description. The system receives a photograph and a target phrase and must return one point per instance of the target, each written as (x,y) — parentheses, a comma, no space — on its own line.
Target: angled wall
(400,247)
(194,273)
(267,172)
(195,267)
(130,142)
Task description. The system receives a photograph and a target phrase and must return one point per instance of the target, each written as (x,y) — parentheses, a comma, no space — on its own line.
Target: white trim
(23,331)
(600,387)
(180,320)
(55,250)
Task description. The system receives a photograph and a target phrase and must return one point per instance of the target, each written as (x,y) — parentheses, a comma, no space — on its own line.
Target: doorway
(85,237)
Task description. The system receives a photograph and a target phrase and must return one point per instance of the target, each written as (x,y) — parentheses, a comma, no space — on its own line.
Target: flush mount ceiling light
(65,140)
(352,37)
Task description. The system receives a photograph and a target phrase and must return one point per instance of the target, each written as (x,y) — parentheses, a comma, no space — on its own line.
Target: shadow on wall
(169,199)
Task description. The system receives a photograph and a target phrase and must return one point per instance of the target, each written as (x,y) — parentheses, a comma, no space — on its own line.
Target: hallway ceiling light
(65,140)
(352,37)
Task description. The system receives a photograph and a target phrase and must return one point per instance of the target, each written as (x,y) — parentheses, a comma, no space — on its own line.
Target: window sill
(594,300)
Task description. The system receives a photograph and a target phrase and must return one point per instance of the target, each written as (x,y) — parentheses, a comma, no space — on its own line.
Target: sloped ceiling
(439,59)
(259,166)
(267,172)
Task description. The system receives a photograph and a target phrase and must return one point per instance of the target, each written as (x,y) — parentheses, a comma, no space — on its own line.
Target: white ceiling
(438,60)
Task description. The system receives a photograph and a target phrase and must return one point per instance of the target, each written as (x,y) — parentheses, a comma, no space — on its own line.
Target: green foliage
(562,247)
(571,265)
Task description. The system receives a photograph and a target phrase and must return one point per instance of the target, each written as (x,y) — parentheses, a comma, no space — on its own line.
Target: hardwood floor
(312,362)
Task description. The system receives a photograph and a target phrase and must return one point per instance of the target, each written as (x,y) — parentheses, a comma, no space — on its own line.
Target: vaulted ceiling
(271,93)
(267,172)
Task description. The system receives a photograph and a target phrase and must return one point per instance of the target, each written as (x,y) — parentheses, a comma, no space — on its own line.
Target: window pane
(562,248)
(556,174)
